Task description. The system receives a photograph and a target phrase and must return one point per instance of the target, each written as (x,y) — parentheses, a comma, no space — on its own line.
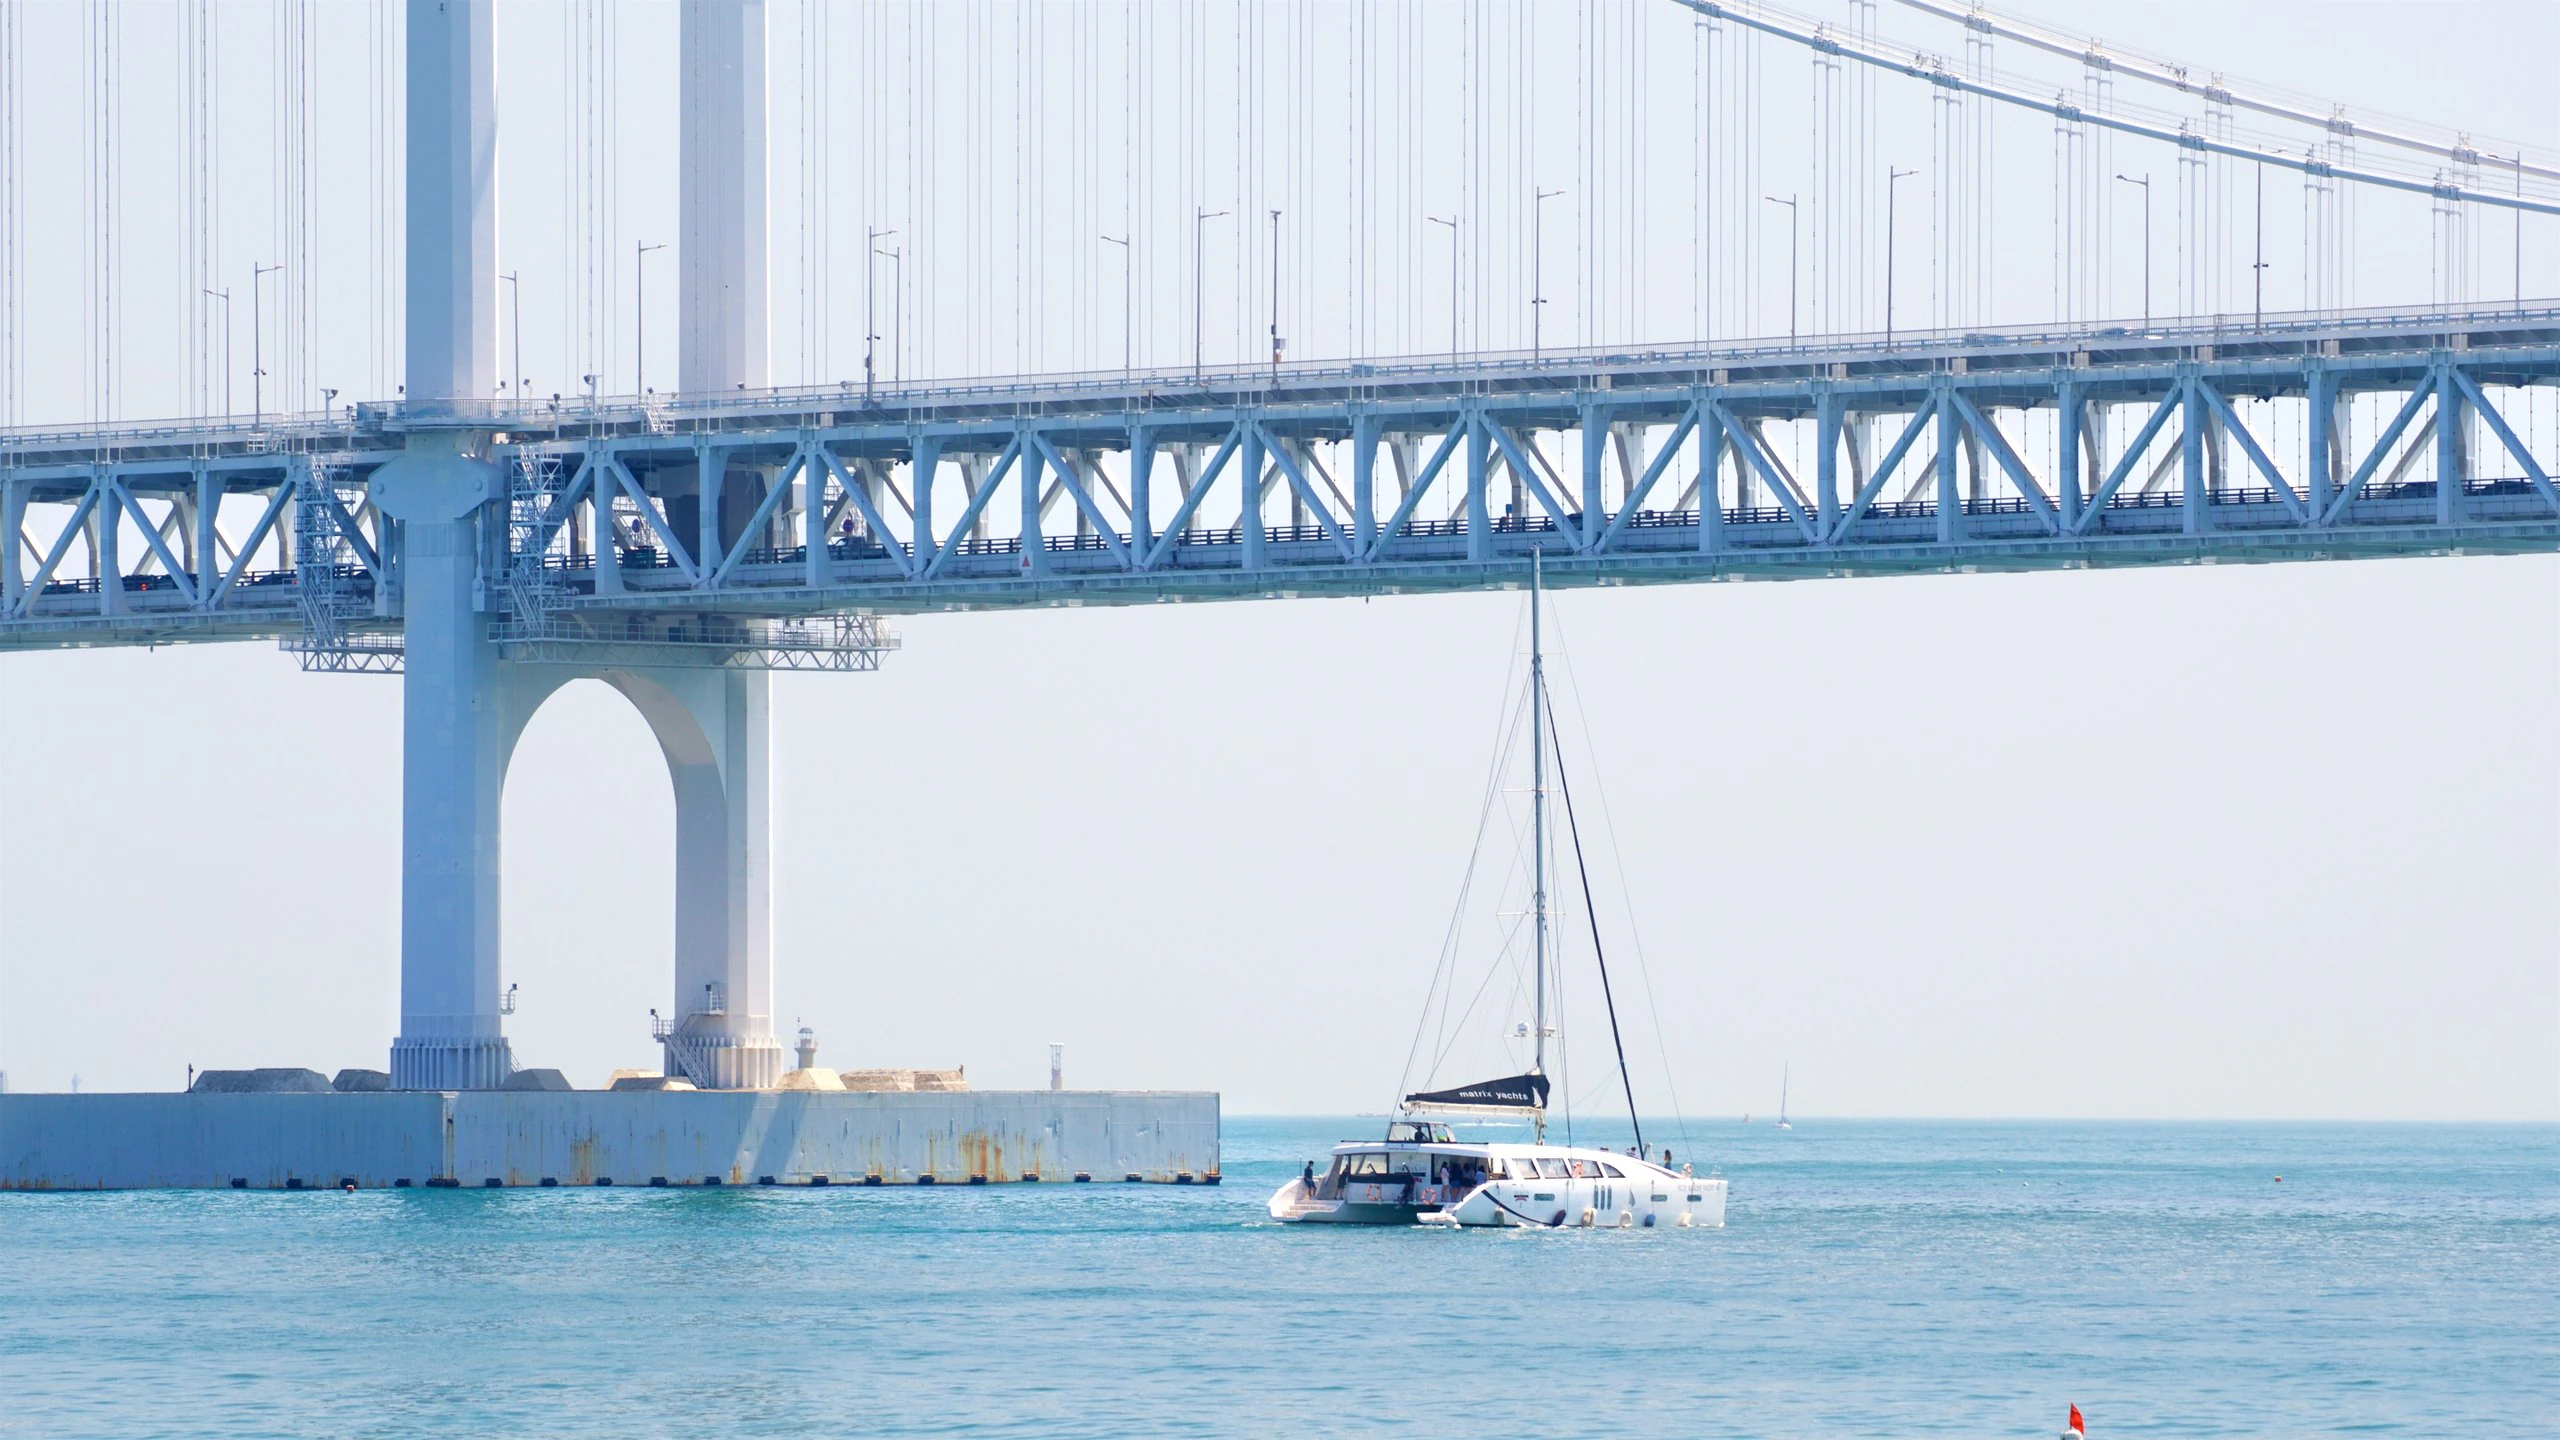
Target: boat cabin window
(1417,1132)
(1497,1169)
(1369,1163)
(1554,1170)
(1612,1171)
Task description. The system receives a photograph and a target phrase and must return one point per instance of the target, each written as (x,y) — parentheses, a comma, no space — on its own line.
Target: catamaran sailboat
(1421,1173)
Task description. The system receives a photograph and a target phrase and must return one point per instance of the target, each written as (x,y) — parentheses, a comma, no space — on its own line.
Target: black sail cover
(1516,1092)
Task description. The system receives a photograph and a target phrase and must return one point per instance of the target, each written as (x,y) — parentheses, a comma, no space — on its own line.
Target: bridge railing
(678,412)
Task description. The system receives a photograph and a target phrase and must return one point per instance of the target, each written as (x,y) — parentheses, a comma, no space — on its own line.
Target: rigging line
(1506,725)
(1506,955)
(1447,1041)
(1564,1059)
(1609,827)
(1600,957)
(1506,729)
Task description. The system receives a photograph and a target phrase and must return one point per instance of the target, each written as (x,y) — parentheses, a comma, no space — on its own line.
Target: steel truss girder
(2055,525)
(1637,421)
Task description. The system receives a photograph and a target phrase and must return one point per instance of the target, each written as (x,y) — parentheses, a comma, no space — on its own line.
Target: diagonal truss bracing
(2056,451)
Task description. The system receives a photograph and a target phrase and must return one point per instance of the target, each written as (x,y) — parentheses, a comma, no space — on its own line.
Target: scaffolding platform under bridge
(704,639)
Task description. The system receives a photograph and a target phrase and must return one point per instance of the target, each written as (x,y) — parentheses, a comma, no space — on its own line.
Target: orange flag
(2076,1427)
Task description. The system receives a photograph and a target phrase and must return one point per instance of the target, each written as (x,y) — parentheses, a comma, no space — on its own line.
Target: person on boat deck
(1308,1177)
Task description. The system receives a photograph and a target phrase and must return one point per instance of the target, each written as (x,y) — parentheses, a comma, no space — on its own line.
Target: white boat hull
(1630,1204)
(1644,1197)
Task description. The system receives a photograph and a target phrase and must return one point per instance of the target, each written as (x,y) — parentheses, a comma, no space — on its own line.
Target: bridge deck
(2001,450)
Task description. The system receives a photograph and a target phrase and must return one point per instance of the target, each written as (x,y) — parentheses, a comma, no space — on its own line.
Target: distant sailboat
(1782,1099)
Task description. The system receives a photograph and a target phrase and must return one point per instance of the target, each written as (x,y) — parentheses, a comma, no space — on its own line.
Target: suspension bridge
(491,544)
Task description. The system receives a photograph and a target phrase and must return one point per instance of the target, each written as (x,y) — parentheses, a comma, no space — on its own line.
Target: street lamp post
(2145,183)
(1199,230)
(1537,268)
(639,321)
(1452,223)
(518,379)
(2519,218)
(1128,300)
(258,345)
(1277,344)
(1892,177)
(1792,228)
(870,303)
(224,295)
(897,258)
(2258,267)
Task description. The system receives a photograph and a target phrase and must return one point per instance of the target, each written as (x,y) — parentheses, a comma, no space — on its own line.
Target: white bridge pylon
(466,704)
(712,725)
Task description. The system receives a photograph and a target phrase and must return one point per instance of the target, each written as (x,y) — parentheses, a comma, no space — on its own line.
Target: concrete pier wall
(100,1142)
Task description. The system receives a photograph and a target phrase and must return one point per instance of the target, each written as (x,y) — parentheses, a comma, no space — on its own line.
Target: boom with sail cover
(1516,1092)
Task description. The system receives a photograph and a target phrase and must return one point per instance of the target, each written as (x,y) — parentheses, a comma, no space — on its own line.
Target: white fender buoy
(1589,1215)
(1626,1219)
(1685,1221)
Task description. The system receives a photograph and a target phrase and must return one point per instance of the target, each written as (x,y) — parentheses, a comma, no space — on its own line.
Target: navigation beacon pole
(1538,817)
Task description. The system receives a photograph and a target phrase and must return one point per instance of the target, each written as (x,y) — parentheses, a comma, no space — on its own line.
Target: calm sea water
(1875,1279)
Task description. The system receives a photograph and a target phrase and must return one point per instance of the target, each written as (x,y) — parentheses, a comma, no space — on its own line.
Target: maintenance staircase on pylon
(340,580)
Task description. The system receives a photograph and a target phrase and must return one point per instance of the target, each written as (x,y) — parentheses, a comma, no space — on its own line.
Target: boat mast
(1538,813)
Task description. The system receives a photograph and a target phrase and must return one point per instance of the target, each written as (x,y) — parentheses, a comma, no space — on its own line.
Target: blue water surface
(1876,1278)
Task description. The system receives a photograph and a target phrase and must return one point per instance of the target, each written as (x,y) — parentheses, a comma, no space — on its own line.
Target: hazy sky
(2215,841)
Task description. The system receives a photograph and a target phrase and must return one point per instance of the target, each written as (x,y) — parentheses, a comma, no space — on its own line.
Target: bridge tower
(724,892)
(454,734)
(465,701)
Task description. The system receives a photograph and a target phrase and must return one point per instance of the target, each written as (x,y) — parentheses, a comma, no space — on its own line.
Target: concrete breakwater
(505,1138)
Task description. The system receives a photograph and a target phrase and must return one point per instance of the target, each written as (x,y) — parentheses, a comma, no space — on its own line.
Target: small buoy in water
(1589,1215)
(2279,1179)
